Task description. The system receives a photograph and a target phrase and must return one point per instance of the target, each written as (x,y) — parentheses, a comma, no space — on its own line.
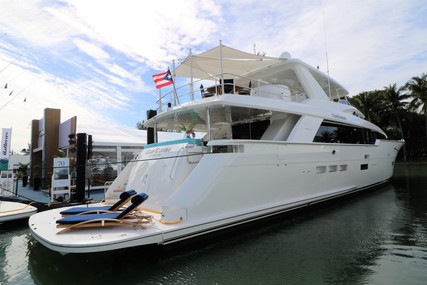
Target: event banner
(5,148)
(5,143)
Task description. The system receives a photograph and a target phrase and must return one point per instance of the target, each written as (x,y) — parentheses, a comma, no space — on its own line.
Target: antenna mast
(326,52)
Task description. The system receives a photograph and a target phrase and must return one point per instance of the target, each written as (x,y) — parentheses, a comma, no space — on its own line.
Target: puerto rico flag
(163,79)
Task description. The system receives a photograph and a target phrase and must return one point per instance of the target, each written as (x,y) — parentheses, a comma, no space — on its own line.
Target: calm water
(376,238)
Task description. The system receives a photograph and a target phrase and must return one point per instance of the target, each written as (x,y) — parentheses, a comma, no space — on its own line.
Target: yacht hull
(277,179)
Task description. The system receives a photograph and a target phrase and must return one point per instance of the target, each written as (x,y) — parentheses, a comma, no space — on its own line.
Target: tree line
(401,112)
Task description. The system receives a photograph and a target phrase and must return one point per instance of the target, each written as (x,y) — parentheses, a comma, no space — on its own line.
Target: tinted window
(334,133)
(252,131)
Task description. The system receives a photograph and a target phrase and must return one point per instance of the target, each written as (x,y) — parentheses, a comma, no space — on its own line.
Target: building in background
(112,147)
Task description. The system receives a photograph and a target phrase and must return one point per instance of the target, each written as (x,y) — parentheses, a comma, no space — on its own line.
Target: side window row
(335,133)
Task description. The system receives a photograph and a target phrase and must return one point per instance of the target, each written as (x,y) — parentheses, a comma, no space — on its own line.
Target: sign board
(61,177)
(6,136)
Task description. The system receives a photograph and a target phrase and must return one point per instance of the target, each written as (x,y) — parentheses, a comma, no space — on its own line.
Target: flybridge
(224,70)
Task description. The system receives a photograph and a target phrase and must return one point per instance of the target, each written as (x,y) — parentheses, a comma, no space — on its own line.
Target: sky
(95,59)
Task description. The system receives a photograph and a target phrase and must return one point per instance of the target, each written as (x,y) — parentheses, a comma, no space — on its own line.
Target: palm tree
(395,99)
(418,88)
(23,172)
(367,103)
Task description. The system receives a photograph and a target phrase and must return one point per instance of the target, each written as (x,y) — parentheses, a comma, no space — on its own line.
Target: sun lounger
(125,217)
(124,198)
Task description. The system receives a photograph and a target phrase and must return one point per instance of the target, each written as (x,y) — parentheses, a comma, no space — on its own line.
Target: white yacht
(265,135)
(11,211)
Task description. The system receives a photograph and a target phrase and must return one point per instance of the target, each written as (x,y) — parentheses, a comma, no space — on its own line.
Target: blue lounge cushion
(124,198)
(75,219)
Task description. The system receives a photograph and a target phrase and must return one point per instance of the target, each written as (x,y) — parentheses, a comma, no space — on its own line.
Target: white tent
(234,62)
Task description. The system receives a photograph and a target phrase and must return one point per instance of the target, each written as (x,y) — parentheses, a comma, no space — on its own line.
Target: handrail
(239,83)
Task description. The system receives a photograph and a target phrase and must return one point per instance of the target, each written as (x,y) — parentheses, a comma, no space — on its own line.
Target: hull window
(320,169)
(333,168)
(335,133)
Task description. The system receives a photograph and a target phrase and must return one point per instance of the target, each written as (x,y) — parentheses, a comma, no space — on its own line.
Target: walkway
(28,194)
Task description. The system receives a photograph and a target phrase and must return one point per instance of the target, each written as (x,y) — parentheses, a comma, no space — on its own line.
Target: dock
(41,198)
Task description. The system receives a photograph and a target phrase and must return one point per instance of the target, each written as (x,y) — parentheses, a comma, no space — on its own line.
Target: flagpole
(191,77)
(173,84)
(160,99)
(222,69)
(175,94)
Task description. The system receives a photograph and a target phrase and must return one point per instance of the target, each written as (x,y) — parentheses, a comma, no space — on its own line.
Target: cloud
(155,31)
(91,49)
(368,42)
(97,63)
(33,23)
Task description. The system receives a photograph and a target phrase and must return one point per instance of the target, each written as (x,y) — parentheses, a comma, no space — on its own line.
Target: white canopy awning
(234,62)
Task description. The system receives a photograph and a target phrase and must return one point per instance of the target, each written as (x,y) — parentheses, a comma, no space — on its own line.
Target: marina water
(378,237)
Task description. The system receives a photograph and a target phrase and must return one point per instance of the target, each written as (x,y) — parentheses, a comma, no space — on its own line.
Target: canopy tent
(234,62)
(223,60)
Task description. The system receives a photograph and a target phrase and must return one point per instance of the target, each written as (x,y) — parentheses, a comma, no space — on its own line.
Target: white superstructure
(269,140)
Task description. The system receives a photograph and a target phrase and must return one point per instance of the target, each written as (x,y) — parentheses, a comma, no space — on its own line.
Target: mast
(222,69)
(175,98)
(191,77)
(327,59)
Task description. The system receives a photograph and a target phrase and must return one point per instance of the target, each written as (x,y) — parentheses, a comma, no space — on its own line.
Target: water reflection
(375,238)
(406,247)
(13,253)
(335,244)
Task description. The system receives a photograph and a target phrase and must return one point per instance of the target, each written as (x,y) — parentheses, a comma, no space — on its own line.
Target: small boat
(267,135)
(10,211)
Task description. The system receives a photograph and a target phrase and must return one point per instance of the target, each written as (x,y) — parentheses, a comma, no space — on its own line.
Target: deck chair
(246,90)
(204,92)
(106,219)
(124,198)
